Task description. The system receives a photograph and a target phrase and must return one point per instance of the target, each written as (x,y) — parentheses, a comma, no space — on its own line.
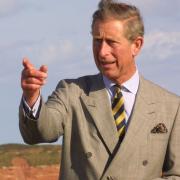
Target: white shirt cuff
(35,108)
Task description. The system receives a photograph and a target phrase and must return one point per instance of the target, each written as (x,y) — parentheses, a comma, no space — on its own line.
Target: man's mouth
(107,62)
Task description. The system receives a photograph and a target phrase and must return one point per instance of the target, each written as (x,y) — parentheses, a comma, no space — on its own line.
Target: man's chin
(110,76)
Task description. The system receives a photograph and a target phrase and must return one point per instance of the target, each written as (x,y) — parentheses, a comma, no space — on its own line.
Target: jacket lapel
(98,105)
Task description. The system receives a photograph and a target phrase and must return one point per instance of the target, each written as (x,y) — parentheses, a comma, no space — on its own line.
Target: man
(115,125)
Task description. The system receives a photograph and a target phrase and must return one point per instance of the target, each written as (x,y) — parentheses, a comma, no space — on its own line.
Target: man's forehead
(109,26)
(106,34)
(103,36)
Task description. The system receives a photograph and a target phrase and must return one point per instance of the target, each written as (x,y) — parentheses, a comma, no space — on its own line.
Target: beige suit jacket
(79,110)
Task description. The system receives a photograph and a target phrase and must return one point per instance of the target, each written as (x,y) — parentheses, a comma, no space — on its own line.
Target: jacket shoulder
(84,83)
(156,91)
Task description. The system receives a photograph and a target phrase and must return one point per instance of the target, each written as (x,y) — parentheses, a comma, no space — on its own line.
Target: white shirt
(129,91)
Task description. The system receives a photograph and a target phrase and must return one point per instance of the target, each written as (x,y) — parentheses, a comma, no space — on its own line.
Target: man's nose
(104,49)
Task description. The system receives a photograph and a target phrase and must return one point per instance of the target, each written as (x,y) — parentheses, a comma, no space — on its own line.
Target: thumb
(43,68)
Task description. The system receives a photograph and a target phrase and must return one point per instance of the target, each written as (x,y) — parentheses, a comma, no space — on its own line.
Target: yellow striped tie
(118,111)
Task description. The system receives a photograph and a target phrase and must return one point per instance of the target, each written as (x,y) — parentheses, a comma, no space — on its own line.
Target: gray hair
(128,14)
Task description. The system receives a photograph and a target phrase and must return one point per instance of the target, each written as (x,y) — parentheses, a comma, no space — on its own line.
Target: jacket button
(88,154)
(145,162)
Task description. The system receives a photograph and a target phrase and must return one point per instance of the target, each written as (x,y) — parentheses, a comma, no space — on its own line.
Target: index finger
(35,73)
(26,63)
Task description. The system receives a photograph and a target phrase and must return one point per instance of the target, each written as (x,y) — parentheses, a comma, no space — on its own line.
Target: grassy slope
(35,155)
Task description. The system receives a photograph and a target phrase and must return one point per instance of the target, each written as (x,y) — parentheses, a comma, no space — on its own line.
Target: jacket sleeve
(48,127)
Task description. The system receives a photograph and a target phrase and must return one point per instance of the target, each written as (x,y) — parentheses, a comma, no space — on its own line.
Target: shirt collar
(130,85)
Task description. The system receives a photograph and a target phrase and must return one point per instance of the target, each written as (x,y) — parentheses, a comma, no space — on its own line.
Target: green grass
(35,155)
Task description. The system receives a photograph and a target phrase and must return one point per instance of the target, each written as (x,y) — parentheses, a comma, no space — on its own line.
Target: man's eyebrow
(97,37)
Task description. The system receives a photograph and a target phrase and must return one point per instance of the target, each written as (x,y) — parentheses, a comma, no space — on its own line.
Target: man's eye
(111,42)
(98,41)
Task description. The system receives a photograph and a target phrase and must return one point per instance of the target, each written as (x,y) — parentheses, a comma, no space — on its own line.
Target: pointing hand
(32,80)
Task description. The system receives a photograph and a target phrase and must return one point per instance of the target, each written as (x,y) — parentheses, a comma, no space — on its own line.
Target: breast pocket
(153,137)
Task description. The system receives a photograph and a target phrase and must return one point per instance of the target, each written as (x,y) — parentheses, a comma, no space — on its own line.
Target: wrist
(31,97)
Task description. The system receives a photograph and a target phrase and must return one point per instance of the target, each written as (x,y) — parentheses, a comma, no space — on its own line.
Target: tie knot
(117,87)
(117,91)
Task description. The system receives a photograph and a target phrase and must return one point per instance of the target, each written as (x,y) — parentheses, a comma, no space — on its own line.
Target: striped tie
(119,112)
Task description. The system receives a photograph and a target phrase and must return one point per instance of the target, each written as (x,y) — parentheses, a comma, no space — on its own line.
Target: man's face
(113,53)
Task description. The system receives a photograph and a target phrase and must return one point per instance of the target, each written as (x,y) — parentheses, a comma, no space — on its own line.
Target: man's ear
(136,45)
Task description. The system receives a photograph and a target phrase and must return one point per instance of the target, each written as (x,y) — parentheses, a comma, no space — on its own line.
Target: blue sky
(57,33)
